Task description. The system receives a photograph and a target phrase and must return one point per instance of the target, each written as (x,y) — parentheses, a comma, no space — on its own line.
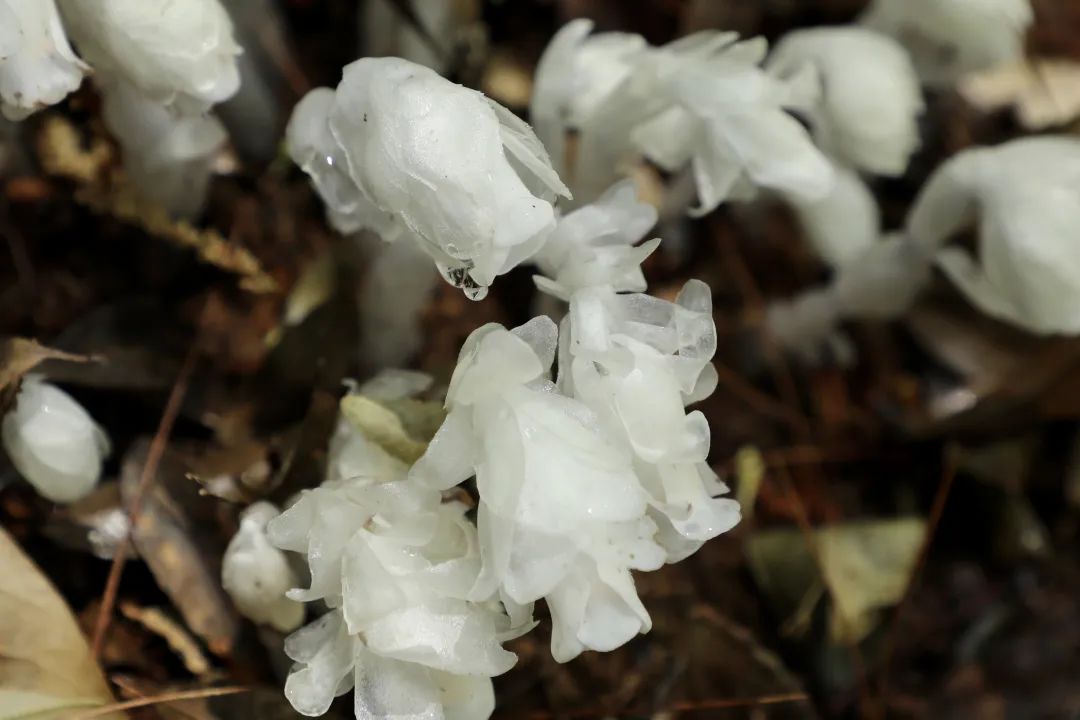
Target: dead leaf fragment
(46,671)
(179,640)
(62,154)
(866,566)
(19,356)
(1045,92)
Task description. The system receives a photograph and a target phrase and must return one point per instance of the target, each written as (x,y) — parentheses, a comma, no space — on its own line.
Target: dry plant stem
(948,475)
(149,471)
(160,699)
(803,520)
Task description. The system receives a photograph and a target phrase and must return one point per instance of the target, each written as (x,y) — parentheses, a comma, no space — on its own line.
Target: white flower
(37,65)
(53,442)
(562,514)
(949,38)
(700,102)
(331,661)
(167,156)
(401,150)
(176,53)
(844,223)
(594,245)
(397,567)
(256,575)
(870,101)
(1024,197)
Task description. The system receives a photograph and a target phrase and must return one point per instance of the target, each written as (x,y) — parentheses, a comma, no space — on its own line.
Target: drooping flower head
(37,65)
(180,54)
(866,113)
(1024,197)
(401,150)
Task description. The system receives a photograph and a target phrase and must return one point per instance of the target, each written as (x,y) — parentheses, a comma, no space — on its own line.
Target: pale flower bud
(401,150)
(37,65)
(53,442)
(868,110)
(256,575)
(1024,198)
(177,53)
(948,38)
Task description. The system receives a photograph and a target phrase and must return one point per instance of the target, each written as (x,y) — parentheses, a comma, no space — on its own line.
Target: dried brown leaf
(158,622)
(19,356)
(46,671)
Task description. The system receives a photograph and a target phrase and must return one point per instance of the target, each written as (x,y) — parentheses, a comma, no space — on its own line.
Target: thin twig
(948,475)
(161,699)
(149,471)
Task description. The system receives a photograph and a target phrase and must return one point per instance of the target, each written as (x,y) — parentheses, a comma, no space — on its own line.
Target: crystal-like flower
(176,53)
(866,115)
(37,66)
(256,575)
(562,514)
(701,102)
(398,568)
(401,150)
(948,38)
(53,442)
(1024,197)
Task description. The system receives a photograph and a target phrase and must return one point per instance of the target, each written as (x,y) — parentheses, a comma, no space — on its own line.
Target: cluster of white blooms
(53,442)
(397,567)
(948,38)
(701,103)
(37,65)
(257,575)
(584,480)
(404,152)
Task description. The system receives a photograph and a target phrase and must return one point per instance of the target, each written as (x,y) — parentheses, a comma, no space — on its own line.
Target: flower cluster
(584,480)
(701,103)
(398,568)
(400,150)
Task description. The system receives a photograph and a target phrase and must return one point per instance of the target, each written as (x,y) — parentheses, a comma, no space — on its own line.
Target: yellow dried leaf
(46,670)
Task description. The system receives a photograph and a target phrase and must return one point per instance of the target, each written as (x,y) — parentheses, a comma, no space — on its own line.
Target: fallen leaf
(866,566)
(19,356)
(182,555)
(46,671)
(62,154)
(1045,92)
